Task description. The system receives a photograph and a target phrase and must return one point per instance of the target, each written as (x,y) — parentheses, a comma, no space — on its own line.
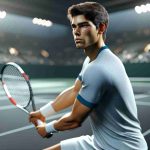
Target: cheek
(86,30)
(90,35)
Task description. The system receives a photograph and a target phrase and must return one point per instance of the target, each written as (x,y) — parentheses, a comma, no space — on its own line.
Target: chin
(80,46)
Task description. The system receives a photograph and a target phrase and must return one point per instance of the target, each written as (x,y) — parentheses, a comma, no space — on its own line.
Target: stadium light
(140,57)
(147,48)
(142,8)
(2,14)
(13,51)
(45,53)
(42,22)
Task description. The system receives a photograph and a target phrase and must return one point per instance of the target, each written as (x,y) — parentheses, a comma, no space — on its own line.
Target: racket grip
(48,135)
(39,122)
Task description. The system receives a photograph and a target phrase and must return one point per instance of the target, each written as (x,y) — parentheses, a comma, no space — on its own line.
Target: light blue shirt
(107,90)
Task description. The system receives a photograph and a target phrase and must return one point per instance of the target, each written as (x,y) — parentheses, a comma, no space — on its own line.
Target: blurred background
(37,35)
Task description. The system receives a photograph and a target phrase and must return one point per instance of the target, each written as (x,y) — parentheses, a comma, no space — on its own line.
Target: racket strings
(16,85)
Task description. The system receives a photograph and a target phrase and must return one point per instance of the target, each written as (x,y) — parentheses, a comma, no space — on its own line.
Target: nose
(77,31)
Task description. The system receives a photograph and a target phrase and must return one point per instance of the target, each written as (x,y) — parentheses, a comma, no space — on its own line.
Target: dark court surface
(16,133)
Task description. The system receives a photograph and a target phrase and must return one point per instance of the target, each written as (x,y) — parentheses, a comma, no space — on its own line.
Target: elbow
(78,123)
(71,125)
(75,122)
(68,122)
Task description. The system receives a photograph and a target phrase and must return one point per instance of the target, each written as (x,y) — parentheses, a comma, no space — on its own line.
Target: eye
(84,25)
(73,26)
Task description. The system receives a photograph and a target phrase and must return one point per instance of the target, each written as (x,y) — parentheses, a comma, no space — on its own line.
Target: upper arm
(79,112)
(91,88)
(74,118)
(94,83)
(67,97)
(77,86)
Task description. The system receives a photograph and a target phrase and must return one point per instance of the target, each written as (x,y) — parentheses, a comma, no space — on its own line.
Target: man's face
(84,32)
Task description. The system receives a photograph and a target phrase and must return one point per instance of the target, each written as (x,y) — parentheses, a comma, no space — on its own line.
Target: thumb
(34,121)
(33,114)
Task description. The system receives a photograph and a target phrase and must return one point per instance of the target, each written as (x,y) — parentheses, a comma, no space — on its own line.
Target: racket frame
(12,100)
(25,76)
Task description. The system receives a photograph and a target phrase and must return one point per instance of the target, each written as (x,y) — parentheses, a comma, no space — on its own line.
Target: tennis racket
(18,89)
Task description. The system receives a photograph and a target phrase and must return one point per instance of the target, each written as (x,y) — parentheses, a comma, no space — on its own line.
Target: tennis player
(102,91)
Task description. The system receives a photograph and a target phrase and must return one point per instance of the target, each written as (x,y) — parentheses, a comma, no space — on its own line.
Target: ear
(102,28)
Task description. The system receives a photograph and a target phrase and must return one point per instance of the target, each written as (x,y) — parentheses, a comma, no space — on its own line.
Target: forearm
(65,99)
(71,120)
(66,122)
(62,101)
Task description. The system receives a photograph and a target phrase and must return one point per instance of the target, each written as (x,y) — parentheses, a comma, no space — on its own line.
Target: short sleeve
(79,77)
(86,61)
(92,85)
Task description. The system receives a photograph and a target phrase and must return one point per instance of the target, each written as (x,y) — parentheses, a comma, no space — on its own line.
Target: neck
(93,50)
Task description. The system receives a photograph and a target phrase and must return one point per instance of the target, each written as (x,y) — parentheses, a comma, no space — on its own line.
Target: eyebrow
(85,22)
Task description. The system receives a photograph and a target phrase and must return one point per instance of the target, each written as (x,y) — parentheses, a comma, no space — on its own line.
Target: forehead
(79,19)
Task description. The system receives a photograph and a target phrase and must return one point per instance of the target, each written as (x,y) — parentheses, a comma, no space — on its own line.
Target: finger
(40,132)
(32,114)
(42,119)
(34,121)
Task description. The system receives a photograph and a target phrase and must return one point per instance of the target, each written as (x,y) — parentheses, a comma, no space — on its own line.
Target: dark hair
(92,11)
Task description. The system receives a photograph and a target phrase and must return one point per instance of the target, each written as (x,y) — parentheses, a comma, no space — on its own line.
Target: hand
(34,116)
(41,130)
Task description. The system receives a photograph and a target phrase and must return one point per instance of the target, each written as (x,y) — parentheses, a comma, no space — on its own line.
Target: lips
(78,40)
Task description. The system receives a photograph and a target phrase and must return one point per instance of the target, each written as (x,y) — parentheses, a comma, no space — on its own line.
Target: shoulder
(86,61)
(110,60)
(94,73)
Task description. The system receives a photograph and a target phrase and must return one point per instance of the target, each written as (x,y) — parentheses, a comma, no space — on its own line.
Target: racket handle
(39,122)
(48,135)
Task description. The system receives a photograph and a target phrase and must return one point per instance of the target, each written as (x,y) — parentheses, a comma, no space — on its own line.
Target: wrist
(49,127)
(47,110)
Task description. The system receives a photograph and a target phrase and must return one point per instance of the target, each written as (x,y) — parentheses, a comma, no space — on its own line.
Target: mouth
(78,40)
